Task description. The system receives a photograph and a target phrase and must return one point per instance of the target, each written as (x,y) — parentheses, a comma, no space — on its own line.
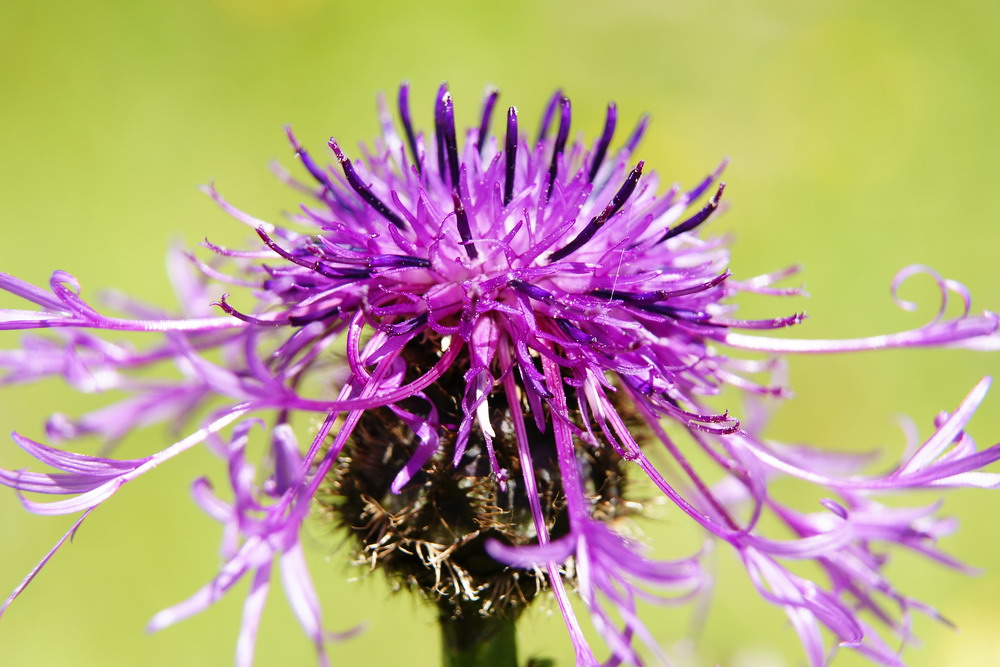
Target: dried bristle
(430,537)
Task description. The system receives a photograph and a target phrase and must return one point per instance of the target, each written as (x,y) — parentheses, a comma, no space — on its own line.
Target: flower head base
(518,313)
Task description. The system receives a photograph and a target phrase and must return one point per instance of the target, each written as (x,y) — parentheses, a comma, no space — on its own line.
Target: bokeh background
(864,137)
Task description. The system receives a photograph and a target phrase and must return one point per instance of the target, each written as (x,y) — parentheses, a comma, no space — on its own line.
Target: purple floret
(559,279)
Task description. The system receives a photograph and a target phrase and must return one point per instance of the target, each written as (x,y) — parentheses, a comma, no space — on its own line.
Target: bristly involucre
(510,317)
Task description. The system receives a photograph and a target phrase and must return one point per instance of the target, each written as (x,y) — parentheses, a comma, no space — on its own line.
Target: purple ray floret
(570,297)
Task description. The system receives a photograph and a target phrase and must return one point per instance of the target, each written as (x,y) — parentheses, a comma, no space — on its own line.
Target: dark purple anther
(696,219)
(362,189)
(834,507)
(316,265)
(439,127)
(318,316)
(636,136)
(484,125)
(450,140)
(314,169)
(685,314)
(510,155)
(550,111)
(462,223)
(404,117)
(706,183)
(397,262)
(574,332)
(601,149)
(626,190)
(641,298)
(406,326)
(532,291)
(565,112)
(249,319)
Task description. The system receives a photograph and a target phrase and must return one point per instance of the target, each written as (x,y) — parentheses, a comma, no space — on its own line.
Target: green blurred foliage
(864,138)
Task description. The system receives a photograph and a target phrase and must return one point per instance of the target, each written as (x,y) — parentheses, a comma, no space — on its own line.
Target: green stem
(476,642)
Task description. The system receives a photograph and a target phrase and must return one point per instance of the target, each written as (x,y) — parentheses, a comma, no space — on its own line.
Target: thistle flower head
(494,328)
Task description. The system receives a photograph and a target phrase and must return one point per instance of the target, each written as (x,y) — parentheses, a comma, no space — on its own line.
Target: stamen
(439,127)
(406,326)
(696,219)
(601,149)
(450,140)
(574,332)
(319,173)
(317,266)
(706,183)
(318,316)
(484,125)
(462,222)
(636,136)
(561,137)
(550,111)
(598,221)
(314,169)
(331,254)
(404,117)
(363,190)
(686,314)
(249,319)
(637,298)
(397,262)
(510,155)
(532,291)
(269,242)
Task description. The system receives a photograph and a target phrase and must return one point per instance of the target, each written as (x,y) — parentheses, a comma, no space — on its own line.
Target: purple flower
(495,326)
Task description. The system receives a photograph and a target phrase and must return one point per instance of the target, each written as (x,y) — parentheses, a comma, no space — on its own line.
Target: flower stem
(473,641)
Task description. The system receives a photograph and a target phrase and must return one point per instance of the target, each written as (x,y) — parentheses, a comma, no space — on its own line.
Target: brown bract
(430,536)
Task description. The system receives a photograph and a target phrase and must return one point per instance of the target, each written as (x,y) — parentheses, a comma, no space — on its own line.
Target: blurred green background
(864,137)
